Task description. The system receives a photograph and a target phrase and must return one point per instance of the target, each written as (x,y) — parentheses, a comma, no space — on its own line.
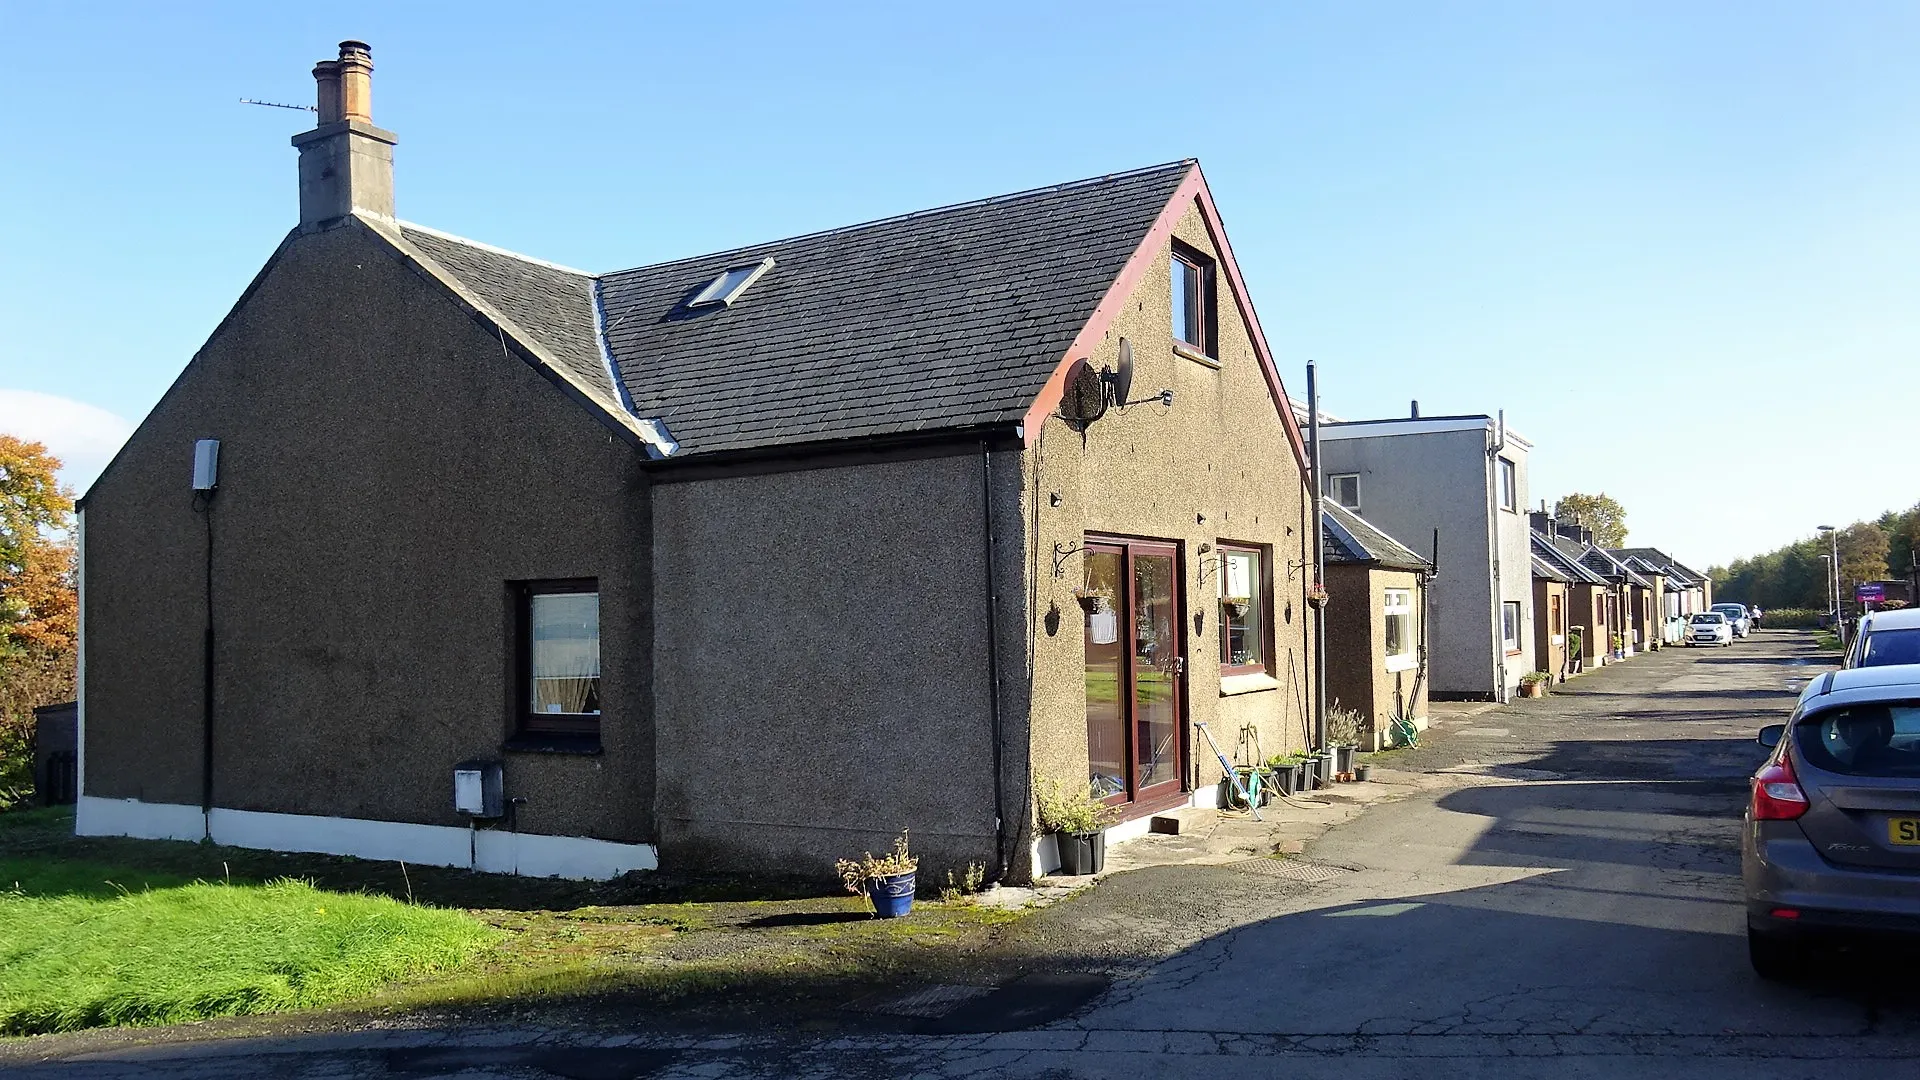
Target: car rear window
(1881,647)
(1863,740)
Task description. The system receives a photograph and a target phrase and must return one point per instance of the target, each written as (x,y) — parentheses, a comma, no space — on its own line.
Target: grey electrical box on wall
(206,464)
(477,789)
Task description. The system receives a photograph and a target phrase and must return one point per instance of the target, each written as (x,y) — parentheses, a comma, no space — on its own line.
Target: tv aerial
(278,105)
(1089,393)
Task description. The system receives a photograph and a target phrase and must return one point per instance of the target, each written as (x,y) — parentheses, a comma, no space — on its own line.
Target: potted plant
(1317,595)
(887,881)
(1534,683)
(1239,605)
(1573,649)
(1077,820)
(1344,728)
(1092,600)
(1284,773)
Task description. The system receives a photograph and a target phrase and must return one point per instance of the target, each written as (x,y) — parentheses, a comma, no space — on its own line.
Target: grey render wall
(822,682)
(1410,485)
(385,470)
(1516,565)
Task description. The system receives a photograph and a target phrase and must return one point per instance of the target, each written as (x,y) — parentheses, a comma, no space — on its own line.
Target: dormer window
(733,281)
(1193,319)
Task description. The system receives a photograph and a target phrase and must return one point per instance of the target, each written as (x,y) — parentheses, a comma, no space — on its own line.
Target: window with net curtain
(560,656)
(1243,610)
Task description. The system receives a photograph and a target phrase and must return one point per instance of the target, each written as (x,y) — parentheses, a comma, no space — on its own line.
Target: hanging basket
(1317,595)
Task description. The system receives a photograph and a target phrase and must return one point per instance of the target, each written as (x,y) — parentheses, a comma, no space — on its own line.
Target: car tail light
(1776,792)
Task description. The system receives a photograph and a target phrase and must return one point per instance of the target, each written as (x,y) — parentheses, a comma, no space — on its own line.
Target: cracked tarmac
(1561,898)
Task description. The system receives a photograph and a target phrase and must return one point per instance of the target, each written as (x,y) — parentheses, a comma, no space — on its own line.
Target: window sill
(545,742)
(1515,652)
(1230,685)
(1402,663)
(1181,348)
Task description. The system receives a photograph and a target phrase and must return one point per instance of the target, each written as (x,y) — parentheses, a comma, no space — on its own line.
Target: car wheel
(1775,958)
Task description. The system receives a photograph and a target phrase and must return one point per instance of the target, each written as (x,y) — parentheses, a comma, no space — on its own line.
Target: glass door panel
(1158,666)
(1106,673)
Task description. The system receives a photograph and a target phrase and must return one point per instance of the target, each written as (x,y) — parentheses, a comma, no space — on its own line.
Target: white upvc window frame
(1333,488)
(1398,604)
(1509,485)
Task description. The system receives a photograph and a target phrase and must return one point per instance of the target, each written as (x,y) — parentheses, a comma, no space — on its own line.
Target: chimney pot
(356,81)
(326,77)
(1416,408)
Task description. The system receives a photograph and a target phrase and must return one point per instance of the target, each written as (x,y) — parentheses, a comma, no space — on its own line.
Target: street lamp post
(1833,572)
(1827,585)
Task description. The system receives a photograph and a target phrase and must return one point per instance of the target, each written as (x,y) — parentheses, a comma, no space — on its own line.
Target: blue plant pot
(892,897)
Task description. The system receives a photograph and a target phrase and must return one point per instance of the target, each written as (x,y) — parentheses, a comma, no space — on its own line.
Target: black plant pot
(1286,778)
(1082,853)
(1361,773)
(1344,759)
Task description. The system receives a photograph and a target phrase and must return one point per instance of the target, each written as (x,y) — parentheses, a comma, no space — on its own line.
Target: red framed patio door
(1136,672)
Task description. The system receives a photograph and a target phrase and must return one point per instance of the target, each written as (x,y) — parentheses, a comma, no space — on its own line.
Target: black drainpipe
(1001,854)
(203,503)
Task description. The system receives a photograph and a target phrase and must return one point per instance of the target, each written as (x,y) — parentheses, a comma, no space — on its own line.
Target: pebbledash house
(439,553)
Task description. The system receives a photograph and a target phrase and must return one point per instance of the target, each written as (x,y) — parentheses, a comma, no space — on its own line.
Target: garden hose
(1404,733)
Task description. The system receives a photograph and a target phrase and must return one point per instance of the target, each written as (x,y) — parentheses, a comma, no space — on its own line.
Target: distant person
(1756,615)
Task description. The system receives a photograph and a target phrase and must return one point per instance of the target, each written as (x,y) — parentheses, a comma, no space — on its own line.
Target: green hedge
(1791,618)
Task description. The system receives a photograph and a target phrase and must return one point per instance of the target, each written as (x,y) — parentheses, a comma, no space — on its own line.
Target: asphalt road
(1557,896)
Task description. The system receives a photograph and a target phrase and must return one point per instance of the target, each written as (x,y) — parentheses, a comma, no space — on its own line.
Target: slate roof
(1544,569)
(943,319)
(1347,537)
(1563,554)
(552,304)
(1597,560)
(1666,564)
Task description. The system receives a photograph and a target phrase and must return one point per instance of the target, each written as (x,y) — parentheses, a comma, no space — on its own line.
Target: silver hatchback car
(1831,846)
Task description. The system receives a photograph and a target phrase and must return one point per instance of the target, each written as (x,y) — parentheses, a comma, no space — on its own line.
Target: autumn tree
(1601,513)
(1863,553)
(39,611)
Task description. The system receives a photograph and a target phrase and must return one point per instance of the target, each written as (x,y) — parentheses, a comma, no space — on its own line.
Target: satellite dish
(1120,380)
(1084,399)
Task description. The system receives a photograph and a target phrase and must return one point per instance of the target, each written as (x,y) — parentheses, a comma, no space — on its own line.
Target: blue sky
(1675,242)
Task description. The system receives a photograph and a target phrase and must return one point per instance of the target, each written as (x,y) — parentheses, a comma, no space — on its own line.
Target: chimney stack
(1542,522)
(346,164)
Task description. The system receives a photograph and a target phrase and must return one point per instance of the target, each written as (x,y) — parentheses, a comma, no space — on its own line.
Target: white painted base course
(493,851)
(1046,849)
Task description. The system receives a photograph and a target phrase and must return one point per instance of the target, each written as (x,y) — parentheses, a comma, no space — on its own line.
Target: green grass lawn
(85,944)
(98,931)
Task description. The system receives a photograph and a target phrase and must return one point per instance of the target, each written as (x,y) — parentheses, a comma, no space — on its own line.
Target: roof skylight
(727,288)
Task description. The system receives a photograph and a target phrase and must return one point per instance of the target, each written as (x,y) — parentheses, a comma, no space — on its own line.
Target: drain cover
(929,1003)
(1290,869)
